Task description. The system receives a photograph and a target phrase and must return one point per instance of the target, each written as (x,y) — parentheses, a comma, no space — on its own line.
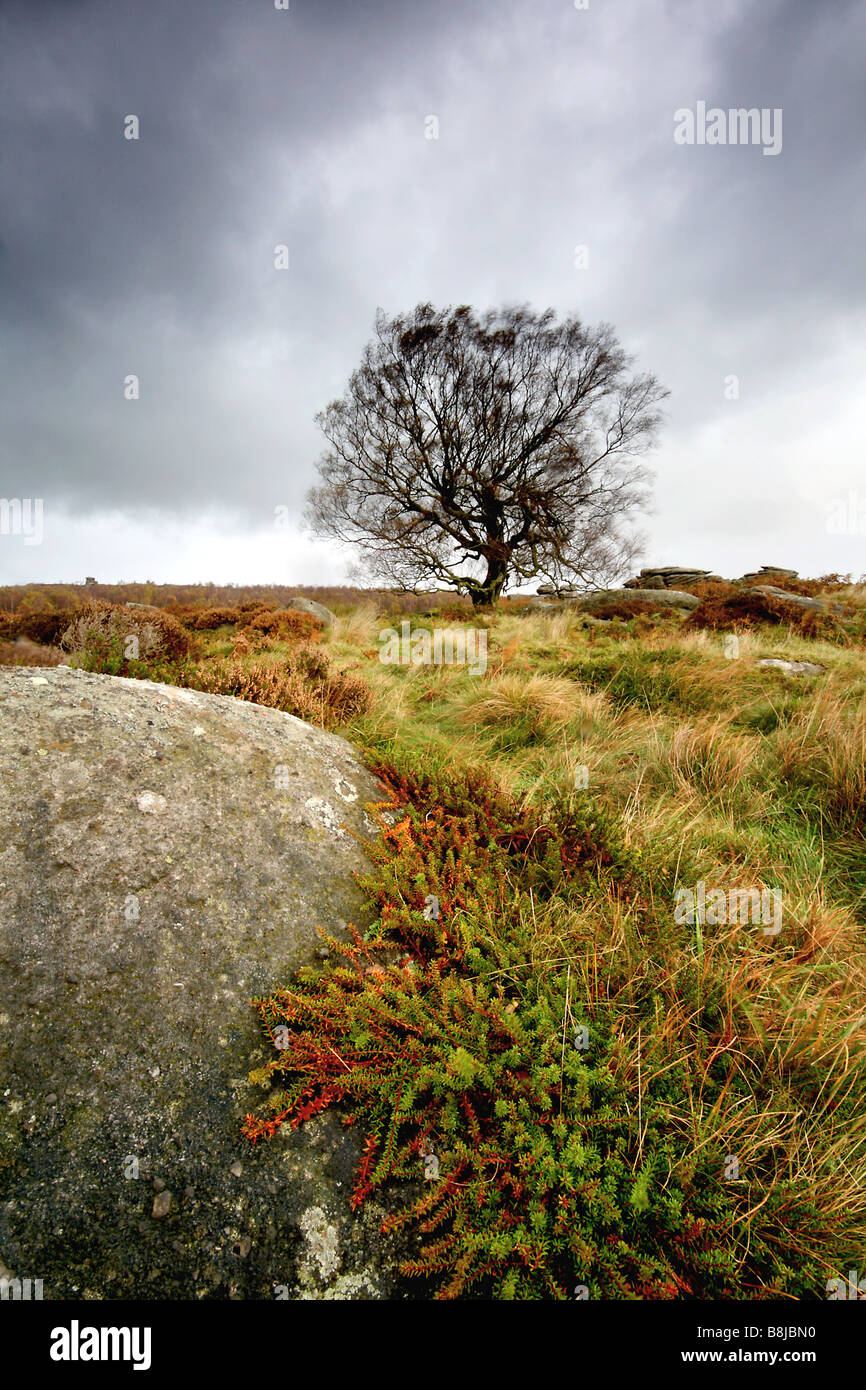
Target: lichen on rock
(156,872)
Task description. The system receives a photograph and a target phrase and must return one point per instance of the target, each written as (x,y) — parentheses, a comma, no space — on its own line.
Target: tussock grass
(544,700)
(710,756)
(714,768)
(823,749)
(670,760)
(360,627)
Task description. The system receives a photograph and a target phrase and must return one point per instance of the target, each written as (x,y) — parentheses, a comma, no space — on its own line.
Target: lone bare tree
(478,451)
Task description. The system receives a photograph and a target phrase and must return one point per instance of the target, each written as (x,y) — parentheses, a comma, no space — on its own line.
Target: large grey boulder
(165,855)
(597,600)
(668,598)
(308,605)
(792,668)
(814,605)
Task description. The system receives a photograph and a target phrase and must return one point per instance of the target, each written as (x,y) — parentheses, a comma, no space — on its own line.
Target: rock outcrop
(599,599)
(667,598)
(165,855)
(755,576)
(815,605)
(668,584)
(668,577)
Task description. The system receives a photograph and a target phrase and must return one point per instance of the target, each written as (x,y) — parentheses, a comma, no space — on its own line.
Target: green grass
(607,1166)
(708,1044)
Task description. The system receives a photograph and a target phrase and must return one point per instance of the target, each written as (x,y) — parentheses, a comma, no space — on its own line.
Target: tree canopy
(477,451)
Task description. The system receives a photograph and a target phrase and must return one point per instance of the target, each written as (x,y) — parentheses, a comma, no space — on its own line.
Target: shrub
(303,685)
(713,588)
(212,618)
(98,637)
(443,1037)
(42,626)
(741,609)
(285,622)
(208,616)
(25,653)
(313,661)
(749,610)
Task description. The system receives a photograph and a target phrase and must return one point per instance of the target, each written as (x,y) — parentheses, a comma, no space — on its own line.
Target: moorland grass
(709,1139)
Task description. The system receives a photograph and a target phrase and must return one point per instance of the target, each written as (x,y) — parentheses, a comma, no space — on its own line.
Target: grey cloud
(259,127)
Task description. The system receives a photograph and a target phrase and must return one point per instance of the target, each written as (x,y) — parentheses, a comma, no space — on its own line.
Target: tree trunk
(486,595)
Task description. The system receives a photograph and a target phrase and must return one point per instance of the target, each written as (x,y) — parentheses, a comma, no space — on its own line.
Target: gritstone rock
(668,577)
(601,598)
(308,605)
(668,598)
(815,605)
(166,855)
(766,570)
(792,668)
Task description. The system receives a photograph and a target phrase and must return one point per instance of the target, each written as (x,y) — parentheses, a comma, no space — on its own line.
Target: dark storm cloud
(156,257)
(125,256)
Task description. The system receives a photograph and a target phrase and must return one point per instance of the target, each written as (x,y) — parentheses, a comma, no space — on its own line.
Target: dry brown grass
(302,684)
(359,628)
(710,756)
(824,747)
(23,652)
(547,699)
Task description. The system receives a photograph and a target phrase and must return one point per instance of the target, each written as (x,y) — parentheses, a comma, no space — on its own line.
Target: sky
(485,153)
